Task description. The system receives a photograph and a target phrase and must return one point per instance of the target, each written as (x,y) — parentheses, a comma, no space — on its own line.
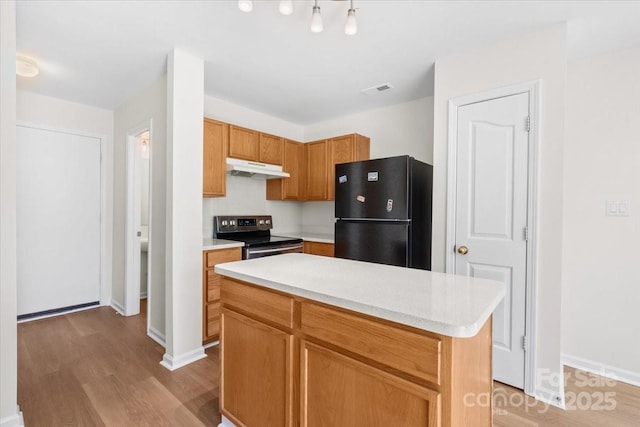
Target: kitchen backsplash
(247,196)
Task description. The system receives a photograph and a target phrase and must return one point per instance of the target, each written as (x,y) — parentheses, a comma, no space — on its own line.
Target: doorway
(59,227)
(490,221)
(138,219)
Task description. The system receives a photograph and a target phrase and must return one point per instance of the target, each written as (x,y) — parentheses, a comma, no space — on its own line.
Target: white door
(491,216)
(58,224)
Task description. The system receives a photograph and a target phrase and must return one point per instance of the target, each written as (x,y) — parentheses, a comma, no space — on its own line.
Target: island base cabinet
(257,366)
(339,391)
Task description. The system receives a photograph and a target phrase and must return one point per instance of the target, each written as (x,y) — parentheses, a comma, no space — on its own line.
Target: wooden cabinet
(344,149)
(244,143)
(293,162)
(319,248)
(322,156)
(214,168)
(288,360)
(211,290)
(257,382)
(271,149)
(337,390)
(317,170)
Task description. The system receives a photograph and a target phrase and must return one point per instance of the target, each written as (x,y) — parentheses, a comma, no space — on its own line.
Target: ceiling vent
(377,89)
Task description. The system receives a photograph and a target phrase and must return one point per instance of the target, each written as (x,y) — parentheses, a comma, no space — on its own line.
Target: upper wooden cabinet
(317,170)
(244,143)
(322,156)
(271,149)
(344,149)
(214,169)
(293,162)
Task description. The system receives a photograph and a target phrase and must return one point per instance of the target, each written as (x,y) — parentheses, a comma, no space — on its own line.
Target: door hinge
(525,233)
(528,124)
(525,343)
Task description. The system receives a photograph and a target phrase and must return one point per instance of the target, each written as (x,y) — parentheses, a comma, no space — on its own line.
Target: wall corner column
(185,109)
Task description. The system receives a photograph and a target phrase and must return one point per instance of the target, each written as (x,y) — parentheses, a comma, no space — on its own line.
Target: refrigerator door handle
(373,219)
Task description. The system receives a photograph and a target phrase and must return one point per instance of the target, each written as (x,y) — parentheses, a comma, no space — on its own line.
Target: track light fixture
(286,8)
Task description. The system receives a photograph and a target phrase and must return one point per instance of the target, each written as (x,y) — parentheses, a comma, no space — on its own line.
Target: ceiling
(101,53)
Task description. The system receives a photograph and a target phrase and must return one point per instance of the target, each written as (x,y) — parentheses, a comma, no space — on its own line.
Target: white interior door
(58,224)
(491,216)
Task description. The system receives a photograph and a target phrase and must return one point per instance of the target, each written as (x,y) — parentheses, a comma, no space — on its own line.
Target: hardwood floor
(97,368)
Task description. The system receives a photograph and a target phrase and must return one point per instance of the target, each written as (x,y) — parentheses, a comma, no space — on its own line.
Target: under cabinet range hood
(255,170)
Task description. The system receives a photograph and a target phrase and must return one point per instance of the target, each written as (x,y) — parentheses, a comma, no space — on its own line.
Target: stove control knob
(224,223)
(261,222)
(268,221)
(232,222)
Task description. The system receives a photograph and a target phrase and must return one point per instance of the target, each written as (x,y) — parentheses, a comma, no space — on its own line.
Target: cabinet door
(270,149)
(317,177)
(342,151)
(257,376)
(292,165)
(243,143)
(339,391)
(215,141)
(319,248)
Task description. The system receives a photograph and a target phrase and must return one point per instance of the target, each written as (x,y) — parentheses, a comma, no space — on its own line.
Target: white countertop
(309,237)
(456,306)
(212,244)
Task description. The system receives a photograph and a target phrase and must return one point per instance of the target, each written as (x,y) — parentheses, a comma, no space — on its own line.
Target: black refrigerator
(383,211)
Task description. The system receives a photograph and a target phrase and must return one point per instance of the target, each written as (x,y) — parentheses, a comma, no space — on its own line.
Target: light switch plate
(618,208)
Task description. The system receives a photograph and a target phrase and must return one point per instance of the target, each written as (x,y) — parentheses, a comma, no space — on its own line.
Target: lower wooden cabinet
(339,391)
(257,385)
(319,248)
(211,290)
(291,361)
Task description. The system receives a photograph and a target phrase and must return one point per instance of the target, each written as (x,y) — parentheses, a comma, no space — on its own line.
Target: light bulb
(286,7)
(245,5)
(351,27)
(316,20)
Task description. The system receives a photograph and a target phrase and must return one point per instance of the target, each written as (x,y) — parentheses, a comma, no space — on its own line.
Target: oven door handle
(278,249)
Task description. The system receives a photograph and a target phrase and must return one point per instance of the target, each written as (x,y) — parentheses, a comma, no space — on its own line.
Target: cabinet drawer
(409,352)
(213,319)
(257,302)
(223,255)
(213,286)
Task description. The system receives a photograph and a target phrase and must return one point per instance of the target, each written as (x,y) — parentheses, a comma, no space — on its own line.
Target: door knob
(462,250)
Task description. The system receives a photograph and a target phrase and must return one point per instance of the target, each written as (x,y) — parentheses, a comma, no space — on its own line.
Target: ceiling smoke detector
(377,89)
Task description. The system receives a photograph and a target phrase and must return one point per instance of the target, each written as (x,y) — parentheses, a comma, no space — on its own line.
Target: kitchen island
(309,340)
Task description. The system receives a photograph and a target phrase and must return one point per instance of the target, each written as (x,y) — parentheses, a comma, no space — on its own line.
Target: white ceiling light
(351,27)
(316,19)
(245,5)
(286,7)
(26,67)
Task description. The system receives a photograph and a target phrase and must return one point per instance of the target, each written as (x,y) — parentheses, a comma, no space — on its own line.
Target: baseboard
(607,371)
(15,420)
(211,344)
(55,313)
(174,362)
(550,397)
(224,422)
(156,335)
(117,307)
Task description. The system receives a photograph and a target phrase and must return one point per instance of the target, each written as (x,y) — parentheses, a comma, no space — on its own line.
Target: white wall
(540,55)
(9,412)
(150,103)
(601,279)
(185,101)
(247,196)
(54,113)
(396,130)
